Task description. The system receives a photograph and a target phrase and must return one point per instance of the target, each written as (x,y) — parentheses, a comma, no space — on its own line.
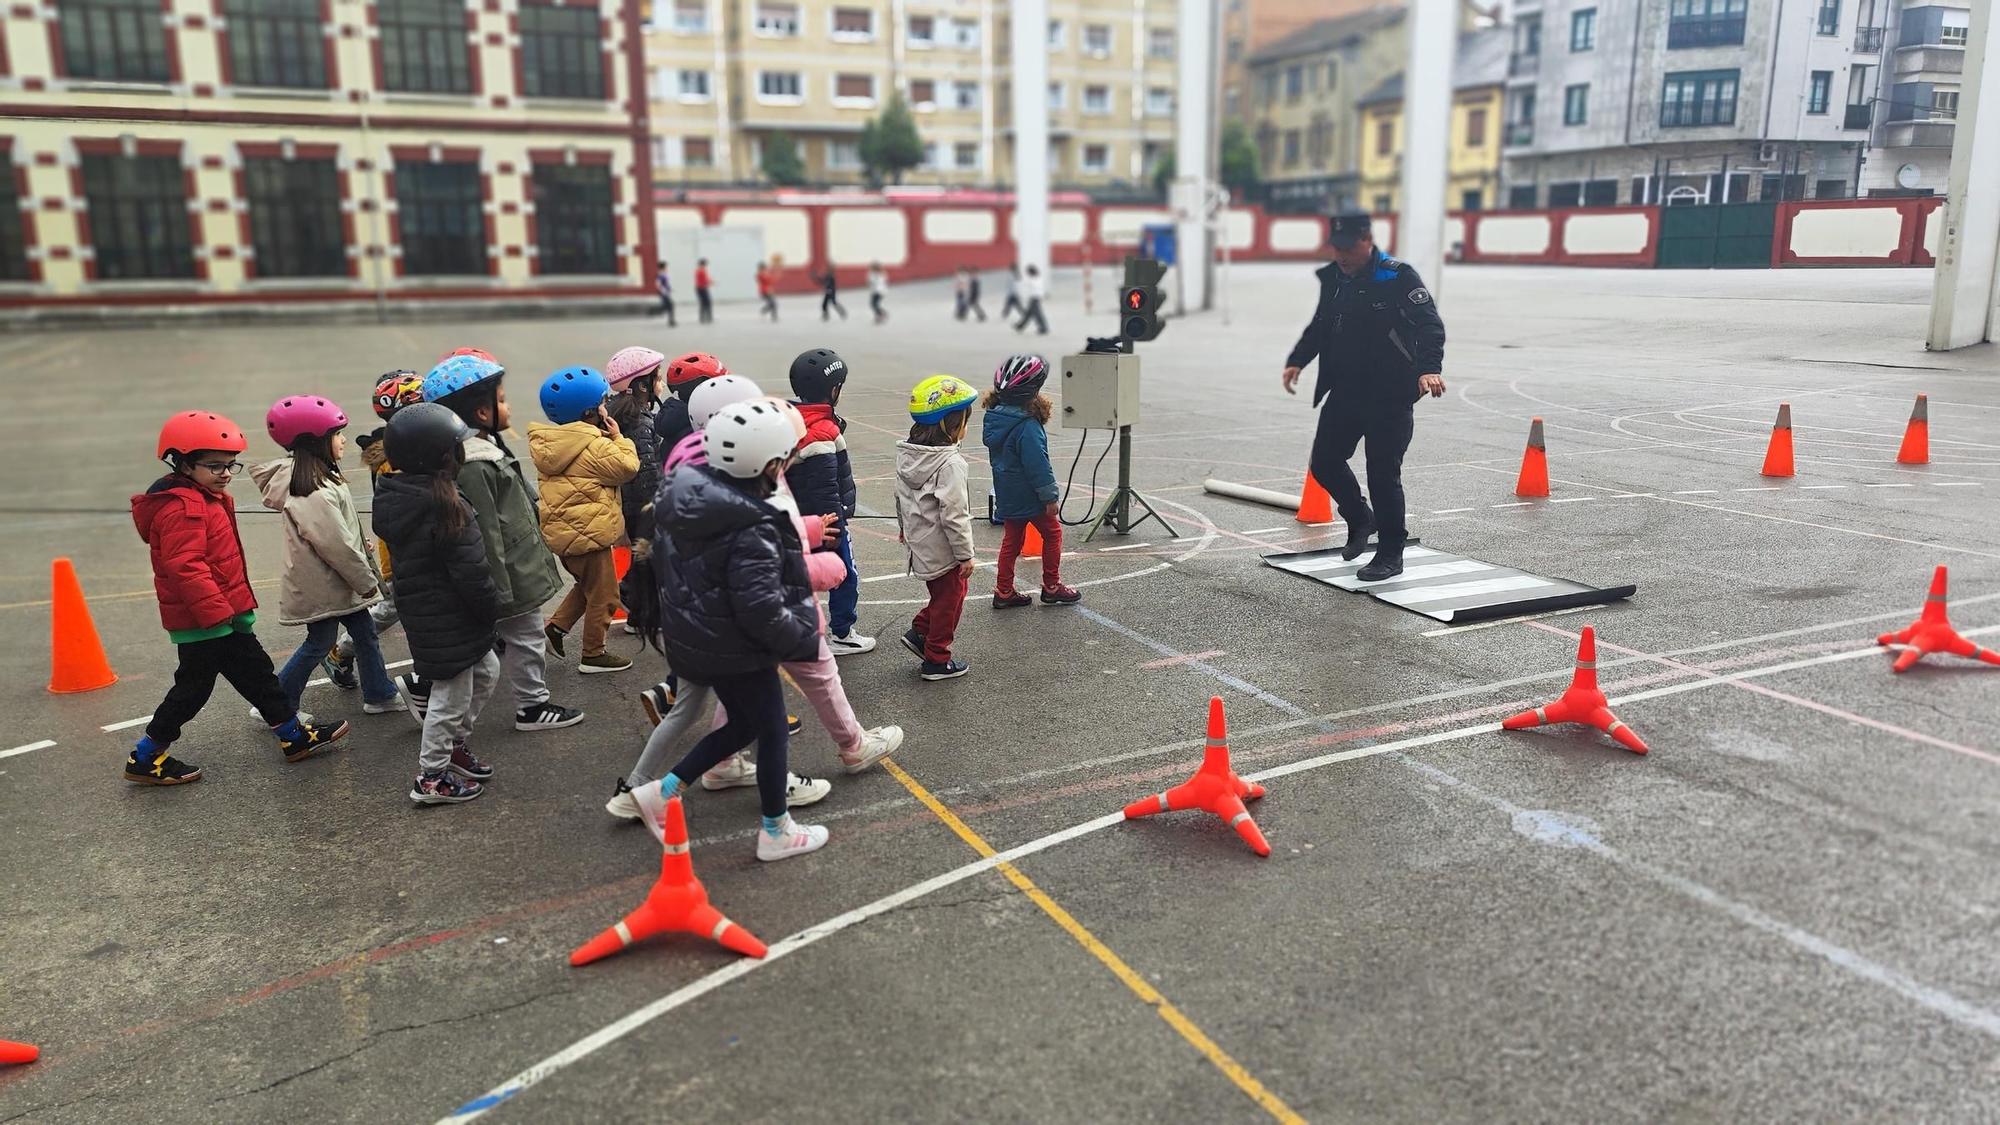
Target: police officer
(1380,346)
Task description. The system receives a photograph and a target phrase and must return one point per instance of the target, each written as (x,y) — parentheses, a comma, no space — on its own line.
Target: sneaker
(631,630)
(1010,599)
(803,791)
(603,662)
(465,765)
(1060,594)
(311,740)
(341,670)
(849,643)
(555,637)
(733,772)
(949,670)
(164,769)
(656,701)
(443,789)
(876,744)
(792,839)
(793,725)
(914,641)
(391,707)
(416,695)
(622,804)
(546,716)
(652,806)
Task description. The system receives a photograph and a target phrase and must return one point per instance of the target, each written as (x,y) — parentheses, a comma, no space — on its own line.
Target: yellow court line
(1175,1018)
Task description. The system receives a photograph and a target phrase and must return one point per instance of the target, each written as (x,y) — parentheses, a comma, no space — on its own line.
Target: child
(583,459)
(1013,304)
(767,282)
(189,526)
(330,578)
(830,294)
(878,290)
(1032,293)
(822,480)
(972,294)
(936,518)
(634,375)
(393,391)
(702,282)
(735,602)
(446,594)
(665,289)
(523,572)
(684,374)
(1024,484)
(958,284)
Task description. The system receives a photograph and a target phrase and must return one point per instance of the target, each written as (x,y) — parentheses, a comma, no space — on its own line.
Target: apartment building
(1305,90)
(194,152)
(1479,90)
(1248,26)
(1920,52)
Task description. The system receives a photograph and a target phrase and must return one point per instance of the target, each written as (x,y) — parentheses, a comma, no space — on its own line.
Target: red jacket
(701,277)
(198,569)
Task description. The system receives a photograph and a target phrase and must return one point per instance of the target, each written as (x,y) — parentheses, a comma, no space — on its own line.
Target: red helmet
(694,365)
(191,430)
(476,353)
(397,390)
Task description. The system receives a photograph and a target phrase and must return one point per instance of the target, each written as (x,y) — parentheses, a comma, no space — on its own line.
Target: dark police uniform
(1373,334)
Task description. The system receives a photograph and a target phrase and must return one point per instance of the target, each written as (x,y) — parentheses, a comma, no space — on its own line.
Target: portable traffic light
(1140,298)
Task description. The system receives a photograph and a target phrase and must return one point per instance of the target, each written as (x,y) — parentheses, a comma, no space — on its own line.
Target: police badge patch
(1420,296)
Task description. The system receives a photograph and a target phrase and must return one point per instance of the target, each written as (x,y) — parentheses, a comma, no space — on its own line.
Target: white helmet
(743,438)
(723,390)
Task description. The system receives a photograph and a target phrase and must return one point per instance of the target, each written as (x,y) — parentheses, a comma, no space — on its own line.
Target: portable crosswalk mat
(1449,588)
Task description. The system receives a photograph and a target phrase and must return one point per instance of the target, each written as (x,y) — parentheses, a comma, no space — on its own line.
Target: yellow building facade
(1473,166)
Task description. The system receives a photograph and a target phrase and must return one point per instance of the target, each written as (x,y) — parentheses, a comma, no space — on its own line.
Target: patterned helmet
(939,397)
(629,364)
(396,390)
(1021,374)
(456,373)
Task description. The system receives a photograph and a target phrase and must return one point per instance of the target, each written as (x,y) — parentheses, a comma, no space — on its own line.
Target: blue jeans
(843,601)
(376,687)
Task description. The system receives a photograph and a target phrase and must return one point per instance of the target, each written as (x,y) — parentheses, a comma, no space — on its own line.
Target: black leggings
(237,658)
(755,704)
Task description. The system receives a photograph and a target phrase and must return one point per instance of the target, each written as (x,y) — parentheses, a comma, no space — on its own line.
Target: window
(1600,193)
(1057,38)
(424,48)
(1828,22)
(138,216)
(1521,198)
(1475,127)
(1583,29)
(1295,82)
(13,241)
(1292,148)
(1471,199)
(843,155)
(965,33)
(1705,23)
(694,86)
(1829,189)
(1097,99)
(444,231)
(1950,36)
(923,30)
(1385,137)
(1820,93)
(1160,43)
(1576,104)
(1944,103)
(1159,101)
(561,52)
(294,208)
(1332,74)
(574,229)
(1384,204)
(965,95)
(1055,95)
(1096,158)
(965,154)
(923,91)
(1319,141)
(1267,86)
(780,21)
(849,89)
(1097,39)
(697,152)
(276,43)
(1528,35)
(115,39)
(853,25)
(1565,195)
(778,86)
(1702,97)
(690,18)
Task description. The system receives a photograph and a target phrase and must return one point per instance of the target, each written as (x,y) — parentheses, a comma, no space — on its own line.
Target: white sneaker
(850,644)
(803,791)
(390,708)
(876,744)
(792,839)
(733,772)
(652,809)
(622,804)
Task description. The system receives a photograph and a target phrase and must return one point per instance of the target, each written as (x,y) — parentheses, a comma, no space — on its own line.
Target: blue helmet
(573,392)
(455,373)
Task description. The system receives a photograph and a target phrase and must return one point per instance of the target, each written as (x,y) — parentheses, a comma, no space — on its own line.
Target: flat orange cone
(1534,478)
(678,903)
(12,1052)
(1582,703)
(1214,788)
(1778,457)
(76,656)
(1315,506)
(1916,448)
(621,565)
(1031,544)
(1933,633)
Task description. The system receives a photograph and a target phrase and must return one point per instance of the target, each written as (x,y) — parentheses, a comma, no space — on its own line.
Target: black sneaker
(656,701)
(1387,563)
(416,695)
(341,670)
(312,740)
(164,769)
(555,637)
(949,670)
(443,789)
(793,725)
(546,716)
(914,641)
(465,765)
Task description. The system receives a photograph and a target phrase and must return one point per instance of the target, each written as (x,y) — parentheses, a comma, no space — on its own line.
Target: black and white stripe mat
(1447,587)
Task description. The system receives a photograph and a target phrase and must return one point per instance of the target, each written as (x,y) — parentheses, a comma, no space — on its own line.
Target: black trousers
(1384,434)
(667,308)
(755,705)
(831,302)
(237,658)
(707,308)
(1032,311)
(770,306)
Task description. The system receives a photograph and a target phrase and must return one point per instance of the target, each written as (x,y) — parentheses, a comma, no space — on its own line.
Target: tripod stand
(1118,507)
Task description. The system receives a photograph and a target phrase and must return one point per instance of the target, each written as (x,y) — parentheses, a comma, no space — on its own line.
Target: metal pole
(1191,171)
(1427,136)
(1030,45)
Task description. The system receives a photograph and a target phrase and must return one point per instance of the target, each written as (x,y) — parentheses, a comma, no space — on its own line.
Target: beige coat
(581,470)
(329,570)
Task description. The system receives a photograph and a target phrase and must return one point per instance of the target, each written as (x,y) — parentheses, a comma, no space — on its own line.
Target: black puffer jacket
(671,422)
(446,597)
(635,496)
(734,595)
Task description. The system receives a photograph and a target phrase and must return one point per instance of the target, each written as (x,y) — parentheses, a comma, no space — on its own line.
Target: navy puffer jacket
(443,589)
(734,594)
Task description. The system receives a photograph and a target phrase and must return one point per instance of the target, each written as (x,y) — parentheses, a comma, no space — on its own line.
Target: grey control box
(1100,391)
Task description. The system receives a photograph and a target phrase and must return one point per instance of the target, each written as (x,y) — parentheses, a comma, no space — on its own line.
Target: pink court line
(1182,659)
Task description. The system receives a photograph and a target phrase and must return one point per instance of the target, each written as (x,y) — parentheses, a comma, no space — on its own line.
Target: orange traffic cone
(678,903)
(1933,633)
(76,656)
(1031,545)
(1214,787)
(12,1052)
(1534,478)
(621,565)
(1582,703)
(1315,506)
(1916,448)
(1778,458)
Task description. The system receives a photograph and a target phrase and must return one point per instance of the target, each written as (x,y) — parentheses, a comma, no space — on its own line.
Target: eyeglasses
(221,468)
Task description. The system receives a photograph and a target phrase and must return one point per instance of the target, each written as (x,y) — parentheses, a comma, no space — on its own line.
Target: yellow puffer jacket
(581,470)
(376,458)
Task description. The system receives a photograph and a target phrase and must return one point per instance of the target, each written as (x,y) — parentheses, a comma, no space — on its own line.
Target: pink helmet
(629,364)
(290,419)
(687,451)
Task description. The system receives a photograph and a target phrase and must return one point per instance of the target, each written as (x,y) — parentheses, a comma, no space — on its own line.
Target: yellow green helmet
(941,396)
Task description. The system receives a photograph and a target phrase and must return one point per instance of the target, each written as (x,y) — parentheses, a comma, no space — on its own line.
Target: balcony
(1867,40)
(1520,134)
(1917,134)
(1859,116)
(1523,66)
(1929,58)
(1706,31)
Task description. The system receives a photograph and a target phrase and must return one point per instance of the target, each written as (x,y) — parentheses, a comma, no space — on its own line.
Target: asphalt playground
(1787,910)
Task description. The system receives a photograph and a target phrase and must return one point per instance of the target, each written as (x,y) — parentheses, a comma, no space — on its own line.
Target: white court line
(1811,487)
(1888,486)
(1275,530)
(1449,511)
(1126,547)
(1572,499)
(30,748)
(140,721)
(1450,632)
(1763,488)
(1517,504)
(1957,484)
(1696,492)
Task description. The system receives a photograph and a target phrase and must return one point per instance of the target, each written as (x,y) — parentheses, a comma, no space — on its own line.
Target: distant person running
(878,291)
(702,282)
(1007,310)
(971,299)
(830,286)
(1031,303)
(665,289)
(767,280)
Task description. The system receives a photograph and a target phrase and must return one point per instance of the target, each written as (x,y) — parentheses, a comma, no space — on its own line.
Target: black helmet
(816,373)
(421,438)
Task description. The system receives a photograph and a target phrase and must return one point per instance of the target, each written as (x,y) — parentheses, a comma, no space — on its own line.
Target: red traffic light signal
(1135,299)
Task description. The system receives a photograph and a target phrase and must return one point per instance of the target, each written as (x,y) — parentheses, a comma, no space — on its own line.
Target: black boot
(1387,563)
(1357,539)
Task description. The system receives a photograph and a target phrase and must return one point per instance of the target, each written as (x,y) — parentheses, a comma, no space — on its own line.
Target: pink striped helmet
(687,451)
(1021,374)
(629,364)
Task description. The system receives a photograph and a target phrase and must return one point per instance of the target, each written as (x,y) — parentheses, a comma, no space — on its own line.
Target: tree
(1239,159)
(781,164)
(1164,172)
(890,145)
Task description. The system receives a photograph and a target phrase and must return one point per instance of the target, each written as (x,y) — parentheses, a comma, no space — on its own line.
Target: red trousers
(937,623)
(1010,550)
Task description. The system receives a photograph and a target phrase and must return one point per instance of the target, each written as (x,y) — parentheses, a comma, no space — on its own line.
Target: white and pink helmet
(629,364)
(1021,374)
